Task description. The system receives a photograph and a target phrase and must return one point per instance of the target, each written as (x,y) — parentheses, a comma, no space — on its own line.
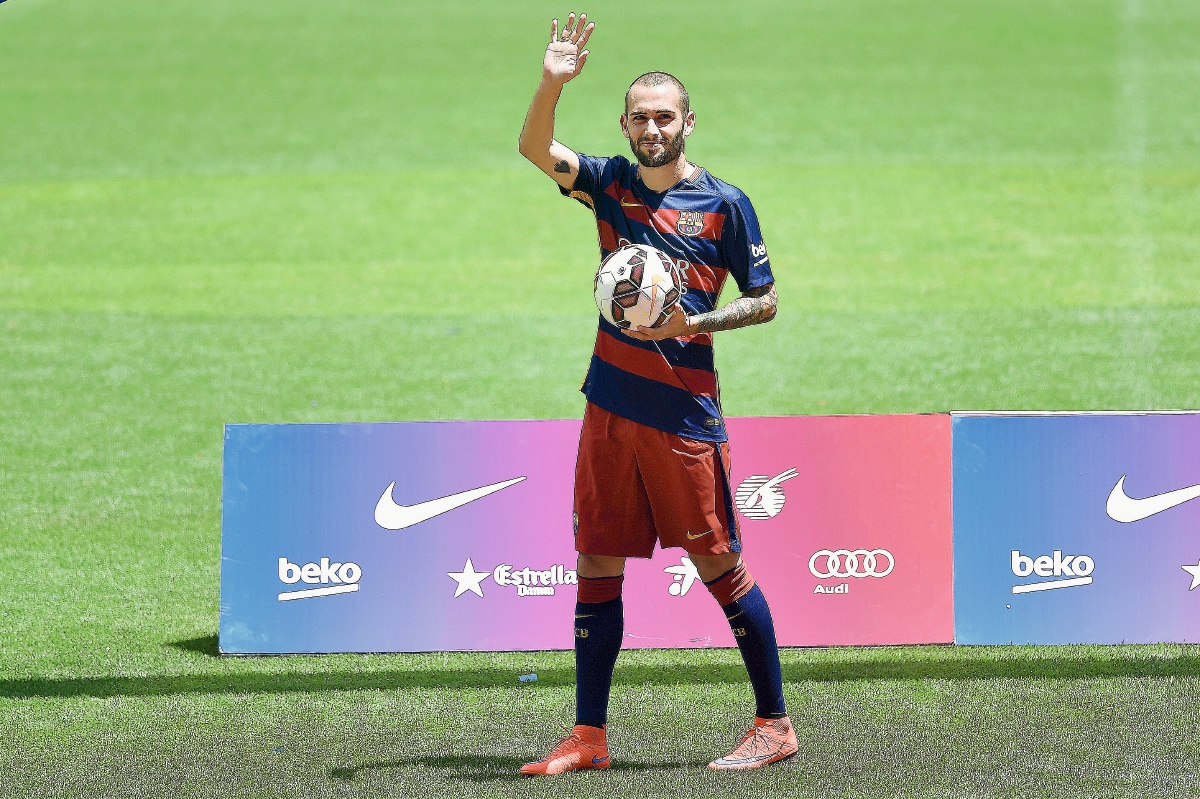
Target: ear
(689,123)
(625,125)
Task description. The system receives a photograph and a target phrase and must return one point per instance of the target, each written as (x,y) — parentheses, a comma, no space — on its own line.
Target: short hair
(659,79)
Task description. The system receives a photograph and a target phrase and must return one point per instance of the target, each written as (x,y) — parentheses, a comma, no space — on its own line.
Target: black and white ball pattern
(637,286)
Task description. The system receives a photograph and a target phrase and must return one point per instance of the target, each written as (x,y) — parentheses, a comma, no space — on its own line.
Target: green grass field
(300,211)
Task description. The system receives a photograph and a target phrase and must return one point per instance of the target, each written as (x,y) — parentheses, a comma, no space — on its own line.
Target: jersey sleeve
(587,183)
(743,248)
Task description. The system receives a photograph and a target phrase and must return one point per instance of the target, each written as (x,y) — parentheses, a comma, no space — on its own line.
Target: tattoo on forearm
(754,307)
(562,168)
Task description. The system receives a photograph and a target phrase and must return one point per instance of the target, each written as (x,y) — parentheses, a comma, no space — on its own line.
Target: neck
(661,178)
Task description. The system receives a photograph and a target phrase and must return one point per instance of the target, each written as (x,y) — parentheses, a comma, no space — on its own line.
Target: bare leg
(713,566)
(600,566)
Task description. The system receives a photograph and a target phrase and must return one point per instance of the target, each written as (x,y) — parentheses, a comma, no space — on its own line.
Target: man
(653,456)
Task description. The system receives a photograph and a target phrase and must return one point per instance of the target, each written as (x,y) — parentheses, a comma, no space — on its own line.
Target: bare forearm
(564,60)
(752,308)
(538,133)
(537,137)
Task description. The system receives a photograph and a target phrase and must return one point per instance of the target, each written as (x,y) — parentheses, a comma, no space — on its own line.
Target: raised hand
(565,55)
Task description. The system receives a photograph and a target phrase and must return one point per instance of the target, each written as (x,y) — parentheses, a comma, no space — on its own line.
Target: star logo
(468,580)
(1195,572)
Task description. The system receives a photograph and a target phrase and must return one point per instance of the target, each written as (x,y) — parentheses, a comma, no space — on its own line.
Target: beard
(671,149)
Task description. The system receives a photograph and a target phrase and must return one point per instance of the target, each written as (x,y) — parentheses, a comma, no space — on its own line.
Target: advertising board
(1076,528)
(432,536)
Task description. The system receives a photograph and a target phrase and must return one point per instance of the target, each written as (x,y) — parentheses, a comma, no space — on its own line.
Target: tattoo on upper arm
(562,167)
(755,306)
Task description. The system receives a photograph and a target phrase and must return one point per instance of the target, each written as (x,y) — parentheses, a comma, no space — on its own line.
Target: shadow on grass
(947,664)
(204,645)
(476,768)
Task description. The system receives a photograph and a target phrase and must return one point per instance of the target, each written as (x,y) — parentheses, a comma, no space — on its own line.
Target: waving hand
(564,60)
(565,55)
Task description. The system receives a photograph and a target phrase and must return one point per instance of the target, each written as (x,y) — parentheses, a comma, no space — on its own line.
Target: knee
(711,567)
(727,585)
(599,566)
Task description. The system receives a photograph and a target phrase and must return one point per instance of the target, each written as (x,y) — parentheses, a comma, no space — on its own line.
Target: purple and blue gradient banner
(425,536)
(1076,528)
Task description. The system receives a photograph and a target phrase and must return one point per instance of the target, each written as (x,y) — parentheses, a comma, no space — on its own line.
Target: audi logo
(850,563)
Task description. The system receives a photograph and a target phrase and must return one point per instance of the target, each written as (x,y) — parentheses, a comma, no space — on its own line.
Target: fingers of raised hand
(582,31)
(553,31)
(587,32)
(567,31)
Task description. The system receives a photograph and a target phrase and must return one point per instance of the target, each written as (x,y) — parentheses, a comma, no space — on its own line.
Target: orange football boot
(585,747)
(769,741)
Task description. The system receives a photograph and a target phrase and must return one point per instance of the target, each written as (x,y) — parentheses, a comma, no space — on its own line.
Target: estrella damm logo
(690,223)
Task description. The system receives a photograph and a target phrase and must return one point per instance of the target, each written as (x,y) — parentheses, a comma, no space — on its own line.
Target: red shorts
(635,484)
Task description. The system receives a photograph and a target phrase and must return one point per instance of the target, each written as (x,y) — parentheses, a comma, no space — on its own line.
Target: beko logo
(1072,569)
(336,578)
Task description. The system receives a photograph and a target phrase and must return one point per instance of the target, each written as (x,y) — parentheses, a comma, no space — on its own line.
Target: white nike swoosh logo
(391,516)
(1124,508)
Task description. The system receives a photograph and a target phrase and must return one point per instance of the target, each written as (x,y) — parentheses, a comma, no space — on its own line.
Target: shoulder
(615,166)
(730,196)
(605,172)
(597,174)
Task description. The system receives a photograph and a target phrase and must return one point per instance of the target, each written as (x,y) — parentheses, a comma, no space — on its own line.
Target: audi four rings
(851,563)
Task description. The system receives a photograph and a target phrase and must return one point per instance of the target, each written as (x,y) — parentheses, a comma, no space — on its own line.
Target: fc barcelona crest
(690,223)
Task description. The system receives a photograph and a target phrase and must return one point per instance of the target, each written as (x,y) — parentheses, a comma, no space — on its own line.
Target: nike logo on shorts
(694,537)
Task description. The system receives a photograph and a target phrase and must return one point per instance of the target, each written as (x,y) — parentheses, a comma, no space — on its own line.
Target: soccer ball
(637,286)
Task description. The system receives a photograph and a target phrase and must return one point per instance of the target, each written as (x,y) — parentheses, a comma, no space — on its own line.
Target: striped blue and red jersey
(709,226)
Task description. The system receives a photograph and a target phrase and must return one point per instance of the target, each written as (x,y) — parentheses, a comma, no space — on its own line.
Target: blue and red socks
(750,620)
(599,628)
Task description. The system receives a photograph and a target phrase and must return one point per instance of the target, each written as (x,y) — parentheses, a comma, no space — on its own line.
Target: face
(654,125)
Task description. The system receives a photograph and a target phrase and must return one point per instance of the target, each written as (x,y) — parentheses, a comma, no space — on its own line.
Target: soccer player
(653,456)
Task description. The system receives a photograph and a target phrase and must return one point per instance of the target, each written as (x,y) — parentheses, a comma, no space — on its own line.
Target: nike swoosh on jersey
(391,516)
(694,537)
(1124,508)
